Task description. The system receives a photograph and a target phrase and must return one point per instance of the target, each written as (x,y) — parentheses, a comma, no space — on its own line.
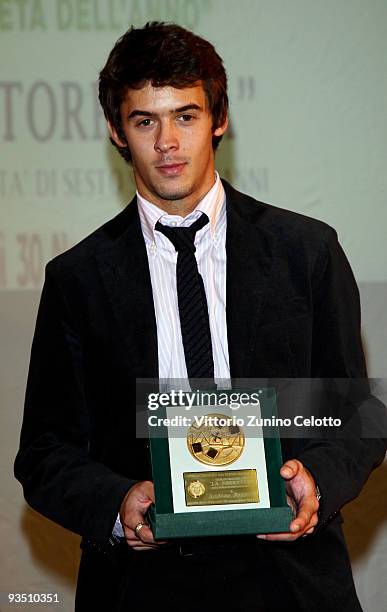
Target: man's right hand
(132,512)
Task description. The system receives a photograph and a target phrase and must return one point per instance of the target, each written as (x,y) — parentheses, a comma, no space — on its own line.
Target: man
(282,302)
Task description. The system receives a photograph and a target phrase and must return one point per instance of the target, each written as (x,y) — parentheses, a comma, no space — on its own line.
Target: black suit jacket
(292,311)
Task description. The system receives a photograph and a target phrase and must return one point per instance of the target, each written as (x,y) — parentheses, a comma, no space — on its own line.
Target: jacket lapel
(125,273)
(249,262)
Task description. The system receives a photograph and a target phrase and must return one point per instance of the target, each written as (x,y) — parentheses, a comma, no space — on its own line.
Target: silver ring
(138,528)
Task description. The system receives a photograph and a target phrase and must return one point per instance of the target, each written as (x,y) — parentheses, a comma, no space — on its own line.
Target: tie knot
(183,238)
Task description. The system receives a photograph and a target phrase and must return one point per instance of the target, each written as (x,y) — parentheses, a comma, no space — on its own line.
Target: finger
(137,544)
(301,522)
(282,537)
(291,536)
(314,520)
(279,537)
(146,492)
(290,469)
(144,505)
(132,517)
(144,534)
(133,538)
(133,542)
(304,515)
(130,522)
(308,527)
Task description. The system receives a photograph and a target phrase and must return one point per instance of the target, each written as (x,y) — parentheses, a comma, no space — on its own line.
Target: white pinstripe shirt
(210,254)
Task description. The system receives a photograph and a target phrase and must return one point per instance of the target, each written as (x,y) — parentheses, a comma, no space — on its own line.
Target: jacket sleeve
(342,464)
(59,478)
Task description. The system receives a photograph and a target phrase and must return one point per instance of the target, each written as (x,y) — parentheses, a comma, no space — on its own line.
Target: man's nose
(166,138)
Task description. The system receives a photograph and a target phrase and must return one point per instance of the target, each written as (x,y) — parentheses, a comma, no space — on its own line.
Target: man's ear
(220,130)
(114,135)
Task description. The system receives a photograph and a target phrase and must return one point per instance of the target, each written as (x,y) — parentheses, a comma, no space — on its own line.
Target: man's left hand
(301,497)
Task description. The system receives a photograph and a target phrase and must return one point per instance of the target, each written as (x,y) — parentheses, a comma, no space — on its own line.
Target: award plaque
(216,468)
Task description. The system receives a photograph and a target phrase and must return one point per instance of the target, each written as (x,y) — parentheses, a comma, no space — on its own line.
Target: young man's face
(169,134)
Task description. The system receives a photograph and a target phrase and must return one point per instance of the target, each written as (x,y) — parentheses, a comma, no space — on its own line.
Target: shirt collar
(212,205)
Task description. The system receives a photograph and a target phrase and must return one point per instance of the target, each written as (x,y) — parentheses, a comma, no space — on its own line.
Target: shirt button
(173,223)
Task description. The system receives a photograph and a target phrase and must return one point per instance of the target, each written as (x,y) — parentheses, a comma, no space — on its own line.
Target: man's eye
(186,117)
(145,122)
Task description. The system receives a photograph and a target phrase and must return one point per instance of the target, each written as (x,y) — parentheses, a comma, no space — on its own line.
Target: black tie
(191,296)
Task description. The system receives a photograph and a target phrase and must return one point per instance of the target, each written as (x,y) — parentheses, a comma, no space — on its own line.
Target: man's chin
(172,195)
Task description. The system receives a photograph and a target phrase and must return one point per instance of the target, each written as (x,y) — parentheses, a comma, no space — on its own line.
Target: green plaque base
(166,526)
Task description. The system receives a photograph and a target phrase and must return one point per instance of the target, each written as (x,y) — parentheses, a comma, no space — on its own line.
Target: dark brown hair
(164,55)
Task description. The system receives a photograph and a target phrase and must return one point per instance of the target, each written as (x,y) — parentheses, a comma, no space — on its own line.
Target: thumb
(145,492)
(290,469)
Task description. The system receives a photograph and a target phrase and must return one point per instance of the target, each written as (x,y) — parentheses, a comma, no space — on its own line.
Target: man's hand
(301,497)
(132,512)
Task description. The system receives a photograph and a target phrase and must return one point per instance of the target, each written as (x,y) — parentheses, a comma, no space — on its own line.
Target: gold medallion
(196,489)
(215,440)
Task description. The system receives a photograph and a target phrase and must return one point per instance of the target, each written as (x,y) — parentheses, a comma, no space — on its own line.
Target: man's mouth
(172,168)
